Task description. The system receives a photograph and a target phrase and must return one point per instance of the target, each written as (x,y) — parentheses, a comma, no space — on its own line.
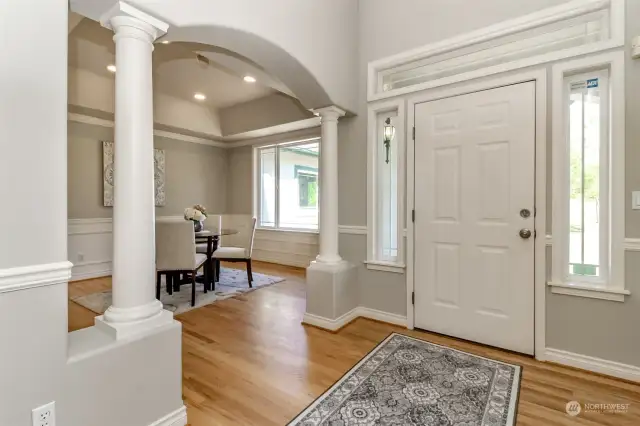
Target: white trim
(87,119)
(310,130)
(503,29)
(92,269)
(614,61)
(378,265)
(597,365)
(32,276)
(396,106)
(352,229)
(175,418)
(592,292)
(360,311)
(327,323)
(539,76)
(632,244)
(90,226)
(377,315)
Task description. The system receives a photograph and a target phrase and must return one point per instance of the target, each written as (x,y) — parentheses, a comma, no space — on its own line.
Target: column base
(332,292)
(329,260)
(126,330)
(137,313)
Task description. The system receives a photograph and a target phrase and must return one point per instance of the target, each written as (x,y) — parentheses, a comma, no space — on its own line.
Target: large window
(288,186)
(588,177)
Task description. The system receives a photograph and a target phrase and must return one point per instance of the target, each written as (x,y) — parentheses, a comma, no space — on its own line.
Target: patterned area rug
(407,381)
(232,282)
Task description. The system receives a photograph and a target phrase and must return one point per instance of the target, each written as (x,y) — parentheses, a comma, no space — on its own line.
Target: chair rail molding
(26,277)
(575,28)
(90,246)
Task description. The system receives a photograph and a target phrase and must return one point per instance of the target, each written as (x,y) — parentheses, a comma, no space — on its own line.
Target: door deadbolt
(525,213)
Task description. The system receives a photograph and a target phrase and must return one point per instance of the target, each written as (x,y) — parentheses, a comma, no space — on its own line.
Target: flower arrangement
(196,213)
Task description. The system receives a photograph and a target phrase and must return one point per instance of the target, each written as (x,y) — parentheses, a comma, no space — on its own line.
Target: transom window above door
(287,185)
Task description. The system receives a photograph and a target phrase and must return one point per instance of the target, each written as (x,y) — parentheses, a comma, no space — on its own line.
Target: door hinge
(413,297)
(414,133)
(413,216)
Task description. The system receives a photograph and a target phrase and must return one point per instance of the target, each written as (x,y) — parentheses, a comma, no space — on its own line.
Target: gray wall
(239,193)
(593,327)
(194,174)
(261,113)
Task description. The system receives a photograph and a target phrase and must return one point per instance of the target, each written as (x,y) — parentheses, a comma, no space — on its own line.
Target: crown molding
(87,119)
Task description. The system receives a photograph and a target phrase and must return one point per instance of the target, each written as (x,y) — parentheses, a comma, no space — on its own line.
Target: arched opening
(274,60)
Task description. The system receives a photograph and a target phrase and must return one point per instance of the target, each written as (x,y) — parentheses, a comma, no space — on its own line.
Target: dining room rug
(408,381)
(232,283)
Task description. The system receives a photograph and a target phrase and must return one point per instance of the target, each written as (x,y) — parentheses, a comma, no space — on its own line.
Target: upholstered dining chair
(237,247)
(212,223)
(176,254)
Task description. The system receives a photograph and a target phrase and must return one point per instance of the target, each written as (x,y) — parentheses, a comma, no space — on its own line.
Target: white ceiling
(177,72)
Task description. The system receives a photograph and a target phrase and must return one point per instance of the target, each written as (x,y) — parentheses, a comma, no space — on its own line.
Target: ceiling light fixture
(111,68)
(199,96)
(249,79)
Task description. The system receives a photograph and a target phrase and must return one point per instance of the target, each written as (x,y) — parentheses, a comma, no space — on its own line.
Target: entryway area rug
(232,282)
(407,381)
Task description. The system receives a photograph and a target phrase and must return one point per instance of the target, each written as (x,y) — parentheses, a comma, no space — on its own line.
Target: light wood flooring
(249,361)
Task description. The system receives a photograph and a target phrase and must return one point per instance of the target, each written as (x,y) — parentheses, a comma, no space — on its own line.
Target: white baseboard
(177,418)
(360,311)
(596,365)
(330,324)
(89,270)
(377,315)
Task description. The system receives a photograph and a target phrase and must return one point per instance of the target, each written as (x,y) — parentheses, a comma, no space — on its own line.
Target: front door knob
(525,233)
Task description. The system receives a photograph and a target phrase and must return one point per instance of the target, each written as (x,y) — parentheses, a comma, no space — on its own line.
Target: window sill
(592,292)
(295,231)
(379,265)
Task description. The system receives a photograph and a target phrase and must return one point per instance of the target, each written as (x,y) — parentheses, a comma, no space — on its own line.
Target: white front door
(474,184)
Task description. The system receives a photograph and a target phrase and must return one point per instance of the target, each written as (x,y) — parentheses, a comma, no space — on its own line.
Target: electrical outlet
(45,415)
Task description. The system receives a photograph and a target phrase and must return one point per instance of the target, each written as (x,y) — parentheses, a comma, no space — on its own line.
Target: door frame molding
(539,76)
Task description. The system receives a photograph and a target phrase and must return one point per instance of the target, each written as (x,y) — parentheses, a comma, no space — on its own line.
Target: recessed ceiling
(177,71)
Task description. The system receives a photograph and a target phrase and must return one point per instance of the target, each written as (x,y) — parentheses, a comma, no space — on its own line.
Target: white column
(329,185)
(133,206)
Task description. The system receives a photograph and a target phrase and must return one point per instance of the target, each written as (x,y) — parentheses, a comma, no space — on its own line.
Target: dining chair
(237,247)
(212,223)
(176,254)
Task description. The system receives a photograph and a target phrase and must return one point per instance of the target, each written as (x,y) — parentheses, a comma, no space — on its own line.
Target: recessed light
(249,79)
(165,42)
(111,68)
(199,96)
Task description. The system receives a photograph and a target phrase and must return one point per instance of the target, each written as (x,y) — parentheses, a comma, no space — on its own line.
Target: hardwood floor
(249,361)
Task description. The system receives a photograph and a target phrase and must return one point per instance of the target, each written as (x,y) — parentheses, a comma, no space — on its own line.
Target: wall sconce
(389,134)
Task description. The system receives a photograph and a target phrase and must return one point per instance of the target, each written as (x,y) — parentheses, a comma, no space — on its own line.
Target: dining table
(212,238)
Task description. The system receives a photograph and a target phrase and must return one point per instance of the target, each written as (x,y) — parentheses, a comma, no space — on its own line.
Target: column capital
(123,16)
(331,112)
